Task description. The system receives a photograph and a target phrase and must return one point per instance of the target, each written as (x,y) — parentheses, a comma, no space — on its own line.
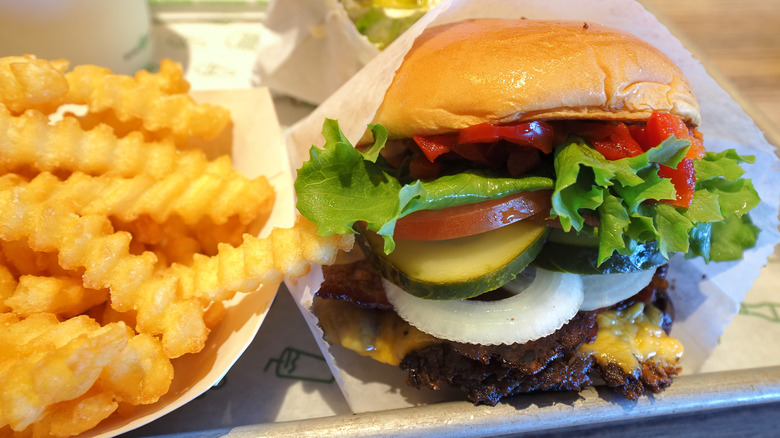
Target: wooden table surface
(740,39)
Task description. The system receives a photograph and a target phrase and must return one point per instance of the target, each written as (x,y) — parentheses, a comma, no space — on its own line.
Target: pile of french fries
(119,242)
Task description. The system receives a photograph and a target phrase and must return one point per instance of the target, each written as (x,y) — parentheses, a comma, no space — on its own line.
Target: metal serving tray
(695,394)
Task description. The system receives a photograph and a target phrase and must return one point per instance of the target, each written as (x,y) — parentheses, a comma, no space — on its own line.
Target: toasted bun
(499,71)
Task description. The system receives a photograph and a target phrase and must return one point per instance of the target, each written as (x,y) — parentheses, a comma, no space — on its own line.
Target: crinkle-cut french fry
(140,374)
(15,332)
(8,180)
(108,120)
(259,261)
(210,235)
(30,141)
(171,241)
(7,287)
(24,261)
(214,314)
(64,296)
(218,196)
(89,242)
(31,335)
(72,417)
(176,249)
(100,89)
(31,83)
(169,79)
(105,314)
(49,370)
(77,244)
(202,237)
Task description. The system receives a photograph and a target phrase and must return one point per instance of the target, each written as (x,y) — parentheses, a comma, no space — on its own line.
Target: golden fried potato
(22,260)
(7,287)
(169,79)
(30,141)
(217,196)
(72,417)
(140,374)
(31,83)
(118,245)
(129,98)
(285,252)
(60,364)
(89,242)
(63,296)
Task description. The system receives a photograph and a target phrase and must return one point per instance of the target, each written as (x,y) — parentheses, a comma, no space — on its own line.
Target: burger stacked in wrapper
(517,199)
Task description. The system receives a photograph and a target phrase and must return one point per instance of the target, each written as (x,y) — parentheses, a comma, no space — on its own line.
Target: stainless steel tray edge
(534,412)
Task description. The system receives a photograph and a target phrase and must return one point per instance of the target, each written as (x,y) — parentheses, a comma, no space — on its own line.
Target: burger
(517,200)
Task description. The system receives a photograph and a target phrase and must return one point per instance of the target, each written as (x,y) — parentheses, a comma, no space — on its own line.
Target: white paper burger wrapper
(705,296)
(309,48)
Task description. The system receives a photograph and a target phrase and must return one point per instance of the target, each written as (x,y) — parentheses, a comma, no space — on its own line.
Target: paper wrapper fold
(309,48)
(706,296)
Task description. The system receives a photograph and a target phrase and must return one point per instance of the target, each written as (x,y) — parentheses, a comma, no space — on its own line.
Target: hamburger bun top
(500,71)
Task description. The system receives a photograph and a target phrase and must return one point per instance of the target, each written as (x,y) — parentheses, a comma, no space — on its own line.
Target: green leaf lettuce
(340,186)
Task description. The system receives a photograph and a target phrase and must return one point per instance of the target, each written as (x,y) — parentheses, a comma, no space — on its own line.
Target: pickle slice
(458,268)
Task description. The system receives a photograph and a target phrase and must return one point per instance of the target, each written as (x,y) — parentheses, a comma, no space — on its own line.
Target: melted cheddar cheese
(626,337)
(379,334)
(631,336)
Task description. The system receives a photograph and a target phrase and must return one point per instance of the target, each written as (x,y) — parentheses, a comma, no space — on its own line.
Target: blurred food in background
(382,21)
(310,48)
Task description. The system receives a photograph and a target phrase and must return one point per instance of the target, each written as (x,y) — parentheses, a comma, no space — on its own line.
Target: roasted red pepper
(684,180)
(613,140)
(662,125)
(538,135)
(433,146)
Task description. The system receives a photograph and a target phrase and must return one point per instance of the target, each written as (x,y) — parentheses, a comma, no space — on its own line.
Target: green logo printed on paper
(300,365)
(213,69)
(766,310)
(243,40)
(143,41)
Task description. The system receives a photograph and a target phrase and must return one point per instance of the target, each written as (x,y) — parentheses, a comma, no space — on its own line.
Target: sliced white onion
(551,300)
(606,290)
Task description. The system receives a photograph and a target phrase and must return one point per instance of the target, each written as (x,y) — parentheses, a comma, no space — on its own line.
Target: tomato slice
(467,220)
